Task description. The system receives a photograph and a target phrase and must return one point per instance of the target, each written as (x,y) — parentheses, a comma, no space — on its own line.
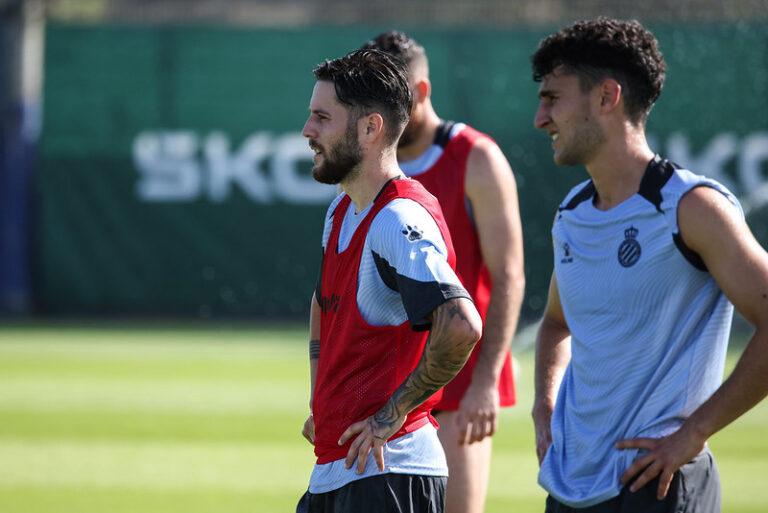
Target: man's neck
(618,169)
(423,138)
(364,185)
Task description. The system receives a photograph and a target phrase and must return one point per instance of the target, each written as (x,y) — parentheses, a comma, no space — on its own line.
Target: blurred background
(160,229)
(153,165)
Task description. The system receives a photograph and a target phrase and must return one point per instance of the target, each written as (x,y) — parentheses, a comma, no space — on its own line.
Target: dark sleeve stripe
(693,258)
(583,195)
(443,133)
(421,298)
(656,176)
(387,273)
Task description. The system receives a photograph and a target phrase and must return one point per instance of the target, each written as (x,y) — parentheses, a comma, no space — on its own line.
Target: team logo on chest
(629,249)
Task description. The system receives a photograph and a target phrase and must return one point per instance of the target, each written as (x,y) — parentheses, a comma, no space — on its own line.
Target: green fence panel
(174,179)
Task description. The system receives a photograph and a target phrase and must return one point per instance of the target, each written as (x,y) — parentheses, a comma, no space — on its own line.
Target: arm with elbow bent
(456,328)
(712,227)
(553,353)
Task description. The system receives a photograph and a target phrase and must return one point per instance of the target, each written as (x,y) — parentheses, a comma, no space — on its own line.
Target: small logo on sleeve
(629,249)
(567,256)
(412,233)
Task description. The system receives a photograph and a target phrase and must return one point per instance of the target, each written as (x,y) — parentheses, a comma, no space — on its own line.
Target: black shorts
(695,488)
(385,493)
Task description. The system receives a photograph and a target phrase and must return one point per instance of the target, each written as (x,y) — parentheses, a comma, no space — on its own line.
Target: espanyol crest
(629,250)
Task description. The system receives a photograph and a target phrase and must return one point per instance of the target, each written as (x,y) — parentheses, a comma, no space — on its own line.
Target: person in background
(474,184)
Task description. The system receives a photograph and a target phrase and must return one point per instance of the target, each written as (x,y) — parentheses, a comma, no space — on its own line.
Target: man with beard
(631,349)
(390,323)
(472,180)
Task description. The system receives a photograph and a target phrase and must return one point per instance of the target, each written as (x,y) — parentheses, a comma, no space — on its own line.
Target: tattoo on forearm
(444,356)
(314,349)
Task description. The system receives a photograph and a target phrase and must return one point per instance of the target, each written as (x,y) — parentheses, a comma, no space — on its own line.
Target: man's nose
(541,119)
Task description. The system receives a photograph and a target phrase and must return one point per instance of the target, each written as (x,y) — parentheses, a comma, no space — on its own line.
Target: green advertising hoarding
(175,181)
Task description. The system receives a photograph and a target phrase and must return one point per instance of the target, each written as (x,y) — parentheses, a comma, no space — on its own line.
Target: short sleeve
(411,257)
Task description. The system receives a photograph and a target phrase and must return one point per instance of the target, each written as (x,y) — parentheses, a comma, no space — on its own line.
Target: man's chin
(570,162)
(565,160)
(320,176)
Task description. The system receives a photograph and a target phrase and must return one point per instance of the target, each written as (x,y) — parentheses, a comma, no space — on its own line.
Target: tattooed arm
(456,327)
(314,354)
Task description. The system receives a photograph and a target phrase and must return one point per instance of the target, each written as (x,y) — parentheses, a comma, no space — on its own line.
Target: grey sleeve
(411,258)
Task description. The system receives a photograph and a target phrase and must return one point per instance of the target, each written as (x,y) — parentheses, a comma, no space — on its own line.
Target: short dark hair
(607,48)
(399,44)
(371,80)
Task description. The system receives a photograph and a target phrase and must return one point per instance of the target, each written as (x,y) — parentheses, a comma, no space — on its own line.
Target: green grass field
(199,419)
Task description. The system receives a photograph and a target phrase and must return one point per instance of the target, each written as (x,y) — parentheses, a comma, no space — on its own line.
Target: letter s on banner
(166,162)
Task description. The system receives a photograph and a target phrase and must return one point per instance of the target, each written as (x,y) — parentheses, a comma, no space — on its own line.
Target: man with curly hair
(649,260)
(472,180)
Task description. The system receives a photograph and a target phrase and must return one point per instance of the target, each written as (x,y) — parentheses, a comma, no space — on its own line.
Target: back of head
(404,47)
(368,81)
(607,48)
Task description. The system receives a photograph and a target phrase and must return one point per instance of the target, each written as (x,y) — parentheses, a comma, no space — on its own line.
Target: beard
(339,160)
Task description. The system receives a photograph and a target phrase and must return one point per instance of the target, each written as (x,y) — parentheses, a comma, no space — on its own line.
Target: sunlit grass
(200,419)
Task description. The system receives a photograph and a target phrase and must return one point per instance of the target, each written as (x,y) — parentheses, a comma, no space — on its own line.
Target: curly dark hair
(607,48)
(399,44)
(371,80)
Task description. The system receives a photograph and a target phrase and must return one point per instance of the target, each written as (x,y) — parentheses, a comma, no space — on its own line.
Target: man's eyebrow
(319,111)
(546,93)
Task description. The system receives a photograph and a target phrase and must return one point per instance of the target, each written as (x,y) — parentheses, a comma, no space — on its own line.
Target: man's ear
(371,127)
(421,90)
(611,94)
